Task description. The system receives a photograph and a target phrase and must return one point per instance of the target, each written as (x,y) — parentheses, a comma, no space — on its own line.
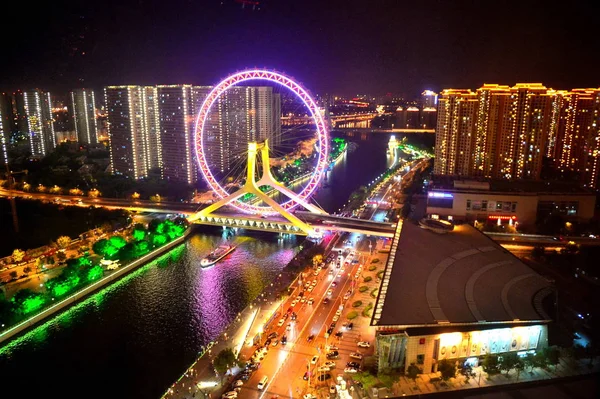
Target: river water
(135,338)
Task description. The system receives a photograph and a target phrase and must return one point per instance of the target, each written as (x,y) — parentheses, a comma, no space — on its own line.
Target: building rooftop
(450,183)
(461,277)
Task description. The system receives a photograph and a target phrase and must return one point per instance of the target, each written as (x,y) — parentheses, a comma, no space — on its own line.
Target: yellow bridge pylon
(252,187)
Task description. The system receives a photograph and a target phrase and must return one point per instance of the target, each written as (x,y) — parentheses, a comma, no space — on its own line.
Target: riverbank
(245,330)
(81,294)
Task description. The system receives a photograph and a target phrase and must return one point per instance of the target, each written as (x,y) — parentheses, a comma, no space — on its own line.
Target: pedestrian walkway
(431,383)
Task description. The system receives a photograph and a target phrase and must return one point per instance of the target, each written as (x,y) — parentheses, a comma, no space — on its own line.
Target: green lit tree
(26,301)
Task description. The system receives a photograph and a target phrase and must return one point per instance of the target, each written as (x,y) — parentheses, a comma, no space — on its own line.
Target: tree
(490,364)
(18,255)
(224,361)
(27,269)
(317,260)
(508,361)
(529,361)
(552,354)
(413,372)
(467,371)
(519,366)
(365,378)
(26,301)
(61,256)
(13,274)
(447,368)
(63,241)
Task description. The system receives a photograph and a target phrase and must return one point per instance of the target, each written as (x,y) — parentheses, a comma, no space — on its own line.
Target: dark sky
(343,47)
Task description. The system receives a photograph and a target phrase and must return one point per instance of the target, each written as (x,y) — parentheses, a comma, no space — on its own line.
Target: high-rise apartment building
(457,111)
(83,110)
(177,109)
(37,107)
(429,99)
(240,115)
(151,121)
(128,130)
(6,125)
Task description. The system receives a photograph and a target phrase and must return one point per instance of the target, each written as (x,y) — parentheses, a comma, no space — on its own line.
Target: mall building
(465,299)
(508,202)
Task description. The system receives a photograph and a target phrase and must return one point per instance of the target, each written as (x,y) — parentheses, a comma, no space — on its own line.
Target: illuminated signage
(435,194)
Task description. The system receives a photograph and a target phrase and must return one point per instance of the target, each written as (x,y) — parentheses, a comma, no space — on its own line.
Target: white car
(289,327)
(314,282)
(230,395)
(314,359)
(294,302)
(281,322)
(356,355)
(303,300)
(238,383)
(364,344)
(329,364)
(335,318)
(309,289)
(350,370)
(338,312)
(330,292)
(323,369)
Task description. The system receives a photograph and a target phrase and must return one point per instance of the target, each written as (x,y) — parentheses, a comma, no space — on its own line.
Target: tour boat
(216,255)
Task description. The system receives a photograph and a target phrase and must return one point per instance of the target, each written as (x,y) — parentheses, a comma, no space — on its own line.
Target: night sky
(342,47)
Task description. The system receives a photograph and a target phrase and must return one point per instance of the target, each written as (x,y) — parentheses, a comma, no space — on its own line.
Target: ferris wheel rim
(307,100)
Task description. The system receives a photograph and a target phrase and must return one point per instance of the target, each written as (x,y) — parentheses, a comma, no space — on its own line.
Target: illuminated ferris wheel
(259,128)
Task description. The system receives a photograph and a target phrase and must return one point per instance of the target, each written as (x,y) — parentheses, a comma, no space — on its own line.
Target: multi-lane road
(285,365)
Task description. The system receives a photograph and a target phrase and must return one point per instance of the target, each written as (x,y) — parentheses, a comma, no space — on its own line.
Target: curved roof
(459,277)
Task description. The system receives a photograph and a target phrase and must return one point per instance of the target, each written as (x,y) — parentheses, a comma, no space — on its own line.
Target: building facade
(37,108)
(83,109)
(469,201)
(177,109)
(128,130)
(505,132)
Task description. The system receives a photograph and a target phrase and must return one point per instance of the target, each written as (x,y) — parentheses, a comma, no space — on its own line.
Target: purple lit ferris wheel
(256,106)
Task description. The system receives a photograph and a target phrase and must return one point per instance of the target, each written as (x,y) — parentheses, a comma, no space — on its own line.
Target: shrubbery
(352,315)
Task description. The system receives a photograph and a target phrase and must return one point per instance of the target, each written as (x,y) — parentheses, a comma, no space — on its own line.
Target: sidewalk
(424,385)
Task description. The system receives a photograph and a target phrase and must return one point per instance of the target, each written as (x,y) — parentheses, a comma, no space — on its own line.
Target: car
(289,327)
(325,301)
(230,395)
(329,331)
(268,342)
(314,359)
(314,282)
(353,365)
(363,344)
(332,348)
(305,376)
(274,334)
(350,326)
(338,312)
(336,317)
(324,377)
(356,355)
(316,273)
(334,284)
(284,340)
(309,396)
(303,299)
(294,302)
(245,376)
(238,383)
(281,322)
(294,316)
(339,334)
(558,238)
(332,355)
(310,301)
(309,289)
(332,388)
(323,369)
(275,342)
(350,370)
(310,338)
(329,292)
(329,364)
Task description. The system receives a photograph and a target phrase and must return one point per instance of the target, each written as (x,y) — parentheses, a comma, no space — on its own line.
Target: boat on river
(219,253)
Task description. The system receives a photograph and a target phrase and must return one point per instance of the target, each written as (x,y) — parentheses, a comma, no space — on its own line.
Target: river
(133,339)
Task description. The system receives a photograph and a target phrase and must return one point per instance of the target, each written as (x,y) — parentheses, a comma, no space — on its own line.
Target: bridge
(381,130)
